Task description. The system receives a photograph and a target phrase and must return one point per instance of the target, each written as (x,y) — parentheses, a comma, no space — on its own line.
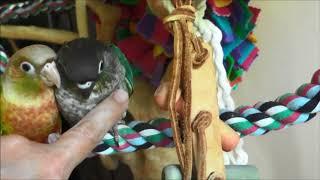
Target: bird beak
(50,74)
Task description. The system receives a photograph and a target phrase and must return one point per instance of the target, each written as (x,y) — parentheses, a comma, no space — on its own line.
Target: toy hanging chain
(188,53)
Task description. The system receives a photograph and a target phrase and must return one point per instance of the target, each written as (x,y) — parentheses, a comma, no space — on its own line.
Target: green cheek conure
(89,71)
(28,106)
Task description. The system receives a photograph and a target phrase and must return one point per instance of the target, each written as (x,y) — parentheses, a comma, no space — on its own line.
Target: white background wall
(288,32)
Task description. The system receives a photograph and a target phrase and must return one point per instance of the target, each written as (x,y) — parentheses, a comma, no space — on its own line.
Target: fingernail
(120,96)
(159,89)
(178,95)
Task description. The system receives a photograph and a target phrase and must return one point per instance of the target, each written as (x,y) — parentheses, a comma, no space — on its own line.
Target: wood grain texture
(204,98)
(81,16)
(36,34)
(108,16)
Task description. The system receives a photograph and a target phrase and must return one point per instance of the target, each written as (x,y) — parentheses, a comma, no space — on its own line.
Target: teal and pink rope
(285,111)
(138,135)
(24,9)
(288,109)
(3,59)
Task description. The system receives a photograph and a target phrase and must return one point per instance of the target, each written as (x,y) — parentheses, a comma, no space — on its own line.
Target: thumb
(77,142)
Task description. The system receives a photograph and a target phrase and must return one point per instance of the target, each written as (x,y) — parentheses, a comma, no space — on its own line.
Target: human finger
(161,97)
(229,138)
(84,136)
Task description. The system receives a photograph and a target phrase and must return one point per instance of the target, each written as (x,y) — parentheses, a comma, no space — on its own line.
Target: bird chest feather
(34,117)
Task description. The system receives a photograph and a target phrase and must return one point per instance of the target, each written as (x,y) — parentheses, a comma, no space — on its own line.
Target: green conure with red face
(28,106)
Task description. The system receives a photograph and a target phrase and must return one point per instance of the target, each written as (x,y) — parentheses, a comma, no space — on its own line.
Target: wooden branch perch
(36,34)
(109,17)
(81,15)
(13,45)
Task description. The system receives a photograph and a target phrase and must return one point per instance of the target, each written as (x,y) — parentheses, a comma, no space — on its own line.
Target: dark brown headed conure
(28,106)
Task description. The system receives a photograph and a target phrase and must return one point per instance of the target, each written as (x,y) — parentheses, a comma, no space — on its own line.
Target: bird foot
(115,132)
(53,137)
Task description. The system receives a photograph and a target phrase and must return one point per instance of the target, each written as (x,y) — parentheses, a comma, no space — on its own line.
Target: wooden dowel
(160,8)
(109,17)
(13,45)
(36,34)
(81,16)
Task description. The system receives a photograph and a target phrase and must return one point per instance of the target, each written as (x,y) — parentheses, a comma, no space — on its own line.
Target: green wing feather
(123,60)
(2,128)
(1,85)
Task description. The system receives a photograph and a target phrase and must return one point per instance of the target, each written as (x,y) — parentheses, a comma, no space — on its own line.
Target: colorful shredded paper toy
(140,28)
(236,20)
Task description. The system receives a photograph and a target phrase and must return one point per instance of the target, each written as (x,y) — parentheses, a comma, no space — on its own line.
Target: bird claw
(53,137)
(123,116)
(115,132)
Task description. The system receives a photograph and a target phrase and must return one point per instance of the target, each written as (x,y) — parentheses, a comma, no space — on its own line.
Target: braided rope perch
(285,111)
(138,135)
(26,8)
(288,109)
(3,60)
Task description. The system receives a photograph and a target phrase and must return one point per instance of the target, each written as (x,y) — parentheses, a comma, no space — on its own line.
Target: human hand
(25,159)
(229,138)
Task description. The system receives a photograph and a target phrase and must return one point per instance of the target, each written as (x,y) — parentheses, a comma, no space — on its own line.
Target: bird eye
(27,67)
(100,67)
(85,85)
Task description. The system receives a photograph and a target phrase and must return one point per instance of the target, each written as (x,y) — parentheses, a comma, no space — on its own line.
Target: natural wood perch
(36,34)
(81,15)
(109,17)
(13,45)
